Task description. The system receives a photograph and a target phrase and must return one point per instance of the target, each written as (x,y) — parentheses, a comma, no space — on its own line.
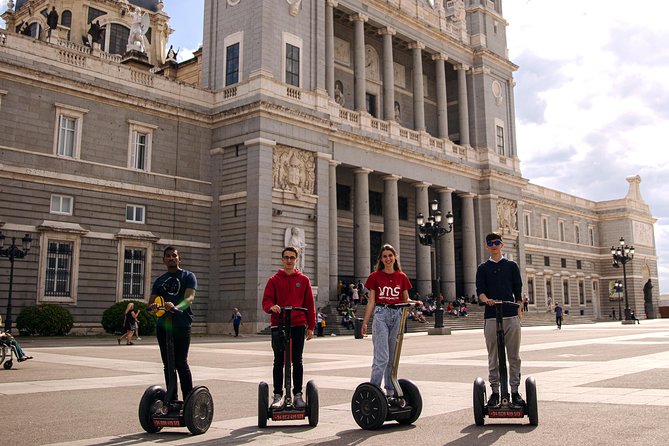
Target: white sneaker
(277,402)
(139,339)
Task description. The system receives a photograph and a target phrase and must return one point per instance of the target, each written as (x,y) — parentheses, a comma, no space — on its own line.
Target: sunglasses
(494,243)
(289,258)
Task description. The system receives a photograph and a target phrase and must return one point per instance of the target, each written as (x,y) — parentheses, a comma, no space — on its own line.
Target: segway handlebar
(404,304)
(302,309)
(507,302)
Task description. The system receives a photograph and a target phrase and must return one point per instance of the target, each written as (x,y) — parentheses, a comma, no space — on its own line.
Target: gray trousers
(512,343)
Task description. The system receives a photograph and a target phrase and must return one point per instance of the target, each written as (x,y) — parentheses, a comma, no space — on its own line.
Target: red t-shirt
(388,288)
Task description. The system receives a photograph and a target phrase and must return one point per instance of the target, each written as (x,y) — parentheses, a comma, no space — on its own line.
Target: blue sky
(591,95)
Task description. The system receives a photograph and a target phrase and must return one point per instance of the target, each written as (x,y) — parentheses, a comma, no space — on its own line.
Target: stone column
(442,101)
(359,76)
(258,228)
(447,248)
(468,244)
(322,253)
(418,88)
(361,259)
(423,261)
(388,76)
(334,246)
(391,212)
(329,47)
(463,107)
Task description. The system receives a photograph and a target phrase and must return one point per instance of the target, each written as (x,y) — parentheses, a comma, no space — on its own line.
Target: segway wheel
(312,403)
(8,364)
(198,410)
(532,407)
(413,399)
(479,401)
(369,406)
(263,404)
(148,405)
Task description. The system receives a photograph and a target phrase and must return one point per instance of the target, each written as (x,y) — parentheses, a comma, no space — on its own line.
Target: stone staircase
(531,318)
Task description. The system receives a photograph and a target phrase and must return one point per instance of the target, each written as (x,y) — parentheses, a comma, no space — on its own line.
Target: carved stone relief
(294,171)
(295,7)
(643,233)
(507,215)
(497,92)
(294,236)
(399,74)
(342,51)
(371,63)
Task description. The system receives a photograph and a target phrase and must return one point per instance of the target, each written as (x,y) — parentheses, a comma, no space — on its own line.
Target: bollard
(357,327)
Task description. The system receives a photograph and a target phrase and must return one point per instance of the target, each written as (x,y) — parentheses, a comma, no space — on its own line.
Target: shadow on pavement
(488,434)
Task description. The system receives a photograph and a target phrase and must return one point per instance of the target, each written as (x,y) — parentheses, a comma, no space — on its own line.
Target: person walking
(177,287)
(320,322)
(129,324)
(388,286)
(498,279)
(559,313)
(289,287)
(236,321)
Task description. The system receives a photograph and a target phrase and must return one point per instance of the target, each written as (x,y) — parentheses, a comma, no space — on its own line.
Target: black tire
(147,407)
(8,364)
(479,401)
(532,407)
(369,406)
(312,403)
(413,399)
(198,410)
(263,404)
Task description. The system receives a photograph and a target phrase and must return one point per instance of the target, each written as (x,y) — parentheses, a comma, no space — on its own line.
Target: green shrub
(112,318)
(44,320)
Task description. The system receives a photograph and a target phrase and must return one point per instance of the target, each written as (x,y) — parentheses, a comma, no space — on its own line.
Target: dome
(151,5)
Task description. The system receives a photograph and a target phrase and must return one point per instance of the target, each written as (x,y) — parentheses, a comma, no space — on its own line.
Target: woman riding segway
(388,301)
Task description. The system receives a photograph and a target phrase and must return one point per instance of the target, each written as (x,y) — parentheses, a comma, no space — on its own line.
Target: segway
(158,410)
(288,411)
(505,408)
(370,406)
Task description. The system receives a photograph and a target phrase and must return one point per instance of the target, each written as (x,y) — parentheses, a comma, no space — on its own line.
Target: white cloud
(592,101)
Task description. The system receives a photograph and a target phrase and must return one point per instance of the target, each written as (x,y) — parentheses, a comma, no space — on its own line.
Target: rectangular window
(528,259)
(500,140)
(579,264)
(527,225)
(581,292)
(343,197)
(565,291)
(561,230)
(549,291)
(67,134)
(134,213)
(403,205)
(588,297)
(591,233)
(232,64)
(140,148)
(530,290)
(375,203)
(563,263)
(292,65)
(133,273)
(547,261)
(370,102)
(61,204)
(577,235)
(58,269)
(544,227)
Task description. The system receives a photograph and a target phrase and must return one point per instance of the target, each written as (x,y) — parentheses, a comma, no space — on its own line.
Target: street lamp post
(13,252)
(622,255)
(619,289)
(429,232)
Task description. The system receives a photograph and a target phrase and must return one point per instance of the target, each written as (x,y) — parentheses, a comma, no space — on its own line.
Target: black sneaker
(494,399)
(517,399)
(277,402)
(298,402)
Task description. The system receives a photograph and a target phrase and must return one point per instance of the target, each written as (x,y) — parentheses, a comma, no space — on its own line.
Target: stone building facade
(328,123)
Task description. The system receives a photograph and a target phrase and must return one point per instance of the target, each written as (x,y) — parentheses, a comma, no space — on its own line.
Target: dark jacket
(499,281)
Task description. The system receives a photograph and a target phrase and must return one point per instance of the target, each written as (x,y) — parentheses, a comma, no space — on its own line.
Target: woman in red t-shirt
(388,286)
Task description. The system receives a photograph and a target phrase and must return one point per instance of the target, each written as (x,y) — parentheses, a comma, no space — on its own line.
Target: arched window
(66,18)
(118,39)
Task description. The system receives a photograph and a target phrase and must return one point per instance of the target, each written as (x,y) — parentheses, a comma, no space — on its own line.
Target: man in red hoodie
(289,287)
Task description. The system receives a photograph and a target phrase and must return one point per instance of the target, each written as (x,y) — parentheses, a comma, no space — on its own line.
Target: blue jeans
(385,327)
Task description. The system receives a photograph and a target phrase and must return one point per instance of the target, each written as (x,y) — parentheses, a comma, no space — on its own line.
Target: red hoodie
(290,290)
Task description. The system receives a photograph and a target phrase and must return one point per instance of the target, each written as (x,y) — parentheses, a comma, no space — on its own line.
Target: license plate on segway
(506,412)
(288,415)
(168,422)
